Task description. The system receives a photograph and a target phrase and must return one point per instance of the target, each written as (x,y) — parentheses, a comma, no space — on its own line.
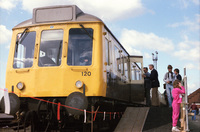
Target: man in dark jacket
(154,85)
(177,75)
(147,85)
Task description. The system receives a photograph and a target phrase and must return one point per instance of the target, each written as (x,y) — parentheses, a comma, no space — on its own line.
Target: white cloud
(8,4)
(106,10)
(187,3)
(5,34)
(190,66)
(132,39)
(147,55)
(196,2)
(134,51)
(184,3)
(188,50)
(192,25)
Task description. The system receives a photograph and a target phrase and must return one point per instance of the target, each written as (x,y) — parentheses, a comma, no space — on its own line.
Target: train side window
(80,46)
(136,73)
(50,48)
(117,59)
(24,50)
(122,64)
(107,51)
(126,69)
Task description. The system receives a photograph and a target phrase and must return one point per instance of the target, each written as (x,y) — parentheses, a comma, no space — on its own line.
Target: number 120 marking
(86,73)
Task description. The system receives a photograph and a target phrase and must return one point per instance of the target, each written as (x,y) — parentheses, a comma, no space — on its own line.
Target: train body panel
(58,80)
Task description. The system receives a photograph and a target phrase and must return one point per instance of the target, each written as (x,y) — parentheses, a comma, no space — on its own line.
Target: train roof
(51,14)
(61,13)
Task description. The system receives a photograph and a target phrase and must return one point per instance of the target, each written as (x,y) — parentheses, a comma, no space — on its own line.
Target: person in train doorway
(154,85)
(177,75)
(147,85)
(169,78)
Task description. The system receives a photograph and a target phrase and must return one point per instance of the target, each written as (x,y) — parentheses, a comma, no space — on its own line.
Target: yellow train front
(67,56)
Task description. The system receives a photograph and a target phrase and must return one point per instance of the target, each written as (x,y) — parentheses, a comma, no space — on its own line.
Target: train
(63,55)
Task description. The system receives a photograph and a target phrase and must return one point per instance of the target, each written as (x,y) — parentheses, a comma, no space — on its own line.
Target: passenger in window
(154,85)
(147,85)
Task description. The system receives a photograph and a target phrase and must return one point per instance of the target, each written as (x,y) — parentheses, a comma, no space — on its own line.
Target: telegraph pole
(155,59)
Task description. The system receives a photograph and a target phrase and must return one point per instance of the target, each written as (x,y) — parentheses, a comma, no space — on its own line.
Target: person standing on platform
(147,85)
(154,85)
(169,78)
(194,110)
(177,95)
(177,75)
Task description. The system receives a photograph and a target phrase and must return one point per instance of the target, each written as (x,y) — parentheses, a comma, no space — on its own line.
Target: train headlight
(79,84)
(20,85)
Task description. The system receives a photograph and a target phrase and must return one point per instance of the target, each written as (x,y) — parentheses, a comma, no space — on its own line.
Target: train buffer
(133,119)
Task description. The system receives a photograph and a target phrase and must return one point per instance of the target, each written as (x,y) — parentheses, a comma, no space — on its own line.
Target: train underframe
(43,114)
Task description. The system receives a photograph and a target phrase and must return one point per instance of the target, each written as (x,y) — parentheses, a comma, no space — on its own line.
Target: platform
(133,119)
(158,119)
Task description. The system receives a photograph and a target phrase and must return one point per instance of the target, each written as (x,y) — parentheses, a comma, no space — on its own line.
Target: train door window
(80,47)
(24,50)
(117,60)
(51,48)
(133,72)
(126,69)
(122,64)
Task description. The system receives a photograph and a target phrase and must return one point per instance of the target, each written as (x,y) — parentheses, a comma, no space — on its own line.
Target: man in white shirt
(169,78)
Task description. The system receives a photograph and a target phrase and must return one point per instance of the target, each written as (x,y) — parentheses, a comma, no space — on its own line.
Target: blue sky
(170,27)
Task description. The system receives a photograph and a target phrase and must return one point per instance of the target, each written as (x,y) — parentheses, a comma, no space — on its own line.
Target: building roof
(194,97)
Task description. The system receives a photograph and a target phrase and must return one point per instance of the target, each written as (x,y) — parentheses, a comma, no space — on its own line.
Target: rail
(184,106)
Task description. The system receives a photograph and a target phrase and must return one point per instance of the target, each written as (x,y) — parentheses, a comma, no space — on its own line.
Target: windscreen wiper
(86,31)
(20,38)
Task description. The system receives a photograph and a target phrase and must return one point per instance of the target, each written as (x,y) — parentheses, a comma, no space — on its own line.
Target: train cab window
(80,47)
(50,48)
(24,50)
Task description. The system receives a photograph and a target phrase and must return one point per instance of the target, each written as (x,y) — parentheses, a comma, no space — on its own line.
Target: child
(177,92)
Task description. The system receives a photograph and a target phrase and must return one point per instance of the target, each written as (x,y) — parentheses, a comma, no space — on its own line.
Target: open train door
(136,79)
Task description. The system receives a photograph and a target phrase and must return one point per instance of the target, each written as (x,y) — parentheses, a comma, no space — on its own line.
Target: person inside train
(177,100)
(177,75)
(86,58)
(154,85)
(147,85)
(169,78)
